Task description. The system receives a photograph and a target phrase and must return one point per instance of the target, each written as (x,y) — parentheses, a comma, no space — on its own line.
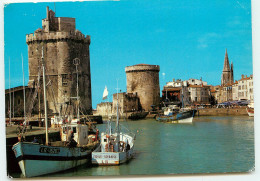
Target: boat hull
(250,112)
(104,156)
(111,158)
(182,117)
(35,159)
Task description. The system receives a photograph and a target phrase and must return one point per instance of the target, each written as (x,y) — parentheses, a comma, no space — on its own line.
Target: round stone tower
(61,44)
(143,79)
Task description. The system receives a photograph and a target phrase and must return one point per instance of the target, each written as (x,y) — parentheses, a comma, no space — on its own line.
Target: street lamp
(76,62)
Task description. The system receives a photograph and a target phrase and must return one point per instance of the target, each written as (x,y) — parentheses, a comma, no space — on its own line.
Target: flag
(105,93)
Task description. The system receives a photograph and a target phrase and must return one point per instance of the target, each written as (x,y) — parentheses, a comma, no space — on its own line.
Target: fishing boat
(182,116)
(74,149)
(137,115)
(115,147)
(174,114)
(37,159)
(250,109)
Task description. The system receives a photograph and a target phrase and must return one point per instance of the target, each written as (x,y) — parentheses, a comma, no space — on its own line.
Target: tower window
(65,83)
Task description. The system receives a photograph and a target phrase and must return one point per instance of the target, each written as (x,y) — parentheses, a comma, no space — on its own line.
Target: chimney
(242,76)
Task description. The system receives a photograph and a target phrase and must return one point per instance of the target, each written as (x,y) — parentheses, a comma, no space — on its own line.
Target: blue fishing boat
(181,116)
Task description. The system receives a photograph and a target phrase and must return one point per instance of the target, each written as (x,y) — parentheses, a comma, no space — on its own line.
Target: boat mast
(13,102)
(23,93)
(117,111)
(45,100)
(182,97)
(10,112)
(117,120)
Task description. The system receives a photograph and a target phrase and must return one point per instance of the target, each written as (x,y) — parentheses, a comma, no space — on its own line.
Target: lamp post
(76,62)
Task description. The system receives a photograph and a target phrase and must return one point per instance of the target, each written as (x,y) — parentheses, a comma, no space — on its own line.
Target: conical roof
(226,63)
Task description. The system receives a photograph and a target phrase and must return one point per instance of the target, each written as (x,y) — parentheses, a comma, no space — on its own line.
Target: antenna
(54,8)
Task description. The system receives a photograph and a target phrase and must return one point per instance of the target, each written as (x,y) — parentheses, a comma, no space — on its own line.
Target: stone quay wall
(222,111)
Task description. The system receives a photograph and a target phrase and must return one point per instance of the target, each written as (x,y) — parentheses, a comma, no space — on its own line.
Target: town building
(245,88)
(104,109)
(188,92)
(17,101)
(127,102)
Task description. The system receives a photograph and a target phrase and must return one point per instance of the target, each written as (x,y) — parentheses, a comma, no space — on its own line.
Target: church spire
(226,63)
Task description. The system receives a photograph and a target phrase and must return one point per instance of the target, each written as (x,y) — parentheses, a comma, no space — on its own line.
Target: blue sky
(186,38)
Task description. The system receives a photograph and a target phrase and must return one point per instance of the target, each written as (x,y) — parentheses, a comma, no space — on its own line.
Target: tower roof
(226,63)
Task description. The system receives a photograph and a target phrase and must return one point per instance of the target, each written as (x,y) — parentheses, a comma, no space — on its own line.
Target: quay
(240,111)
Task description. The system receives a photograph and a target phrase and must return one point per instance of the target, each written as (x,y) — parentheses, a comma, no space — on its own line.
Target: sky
(187,39)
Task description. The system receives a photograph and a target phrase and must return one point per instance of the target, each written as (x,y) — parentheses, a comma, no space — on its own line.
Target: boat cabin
(78,132)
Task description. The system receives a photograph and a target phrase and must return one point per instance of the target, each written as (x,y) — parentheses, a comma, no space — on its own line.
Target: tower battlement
(142,67)
(56,36)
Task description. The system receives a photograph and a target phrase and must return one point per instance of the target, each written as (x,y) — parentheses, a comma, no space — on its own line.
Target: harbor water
(208,145)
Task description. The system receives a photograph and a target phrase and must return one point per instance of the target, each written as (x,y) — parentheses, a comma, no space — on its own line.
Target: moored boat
(183,116)
(250,109)
(37,159)
(115,148)
(137,115)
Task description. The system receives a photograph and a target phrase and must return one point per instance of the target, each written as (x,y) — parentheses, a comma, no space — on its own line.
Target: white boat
(115,148)
(250,109)
(73,150)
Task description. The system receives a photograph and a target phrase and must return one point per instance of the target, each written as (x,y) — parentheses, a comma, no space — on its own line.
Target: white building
(245,88)
(195,82)
(193,90)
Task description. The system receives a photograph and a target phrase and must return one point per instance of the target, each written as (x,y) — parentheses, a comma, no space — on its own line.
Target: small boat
(250,109)
(138,115)
(115,148)
(173,116)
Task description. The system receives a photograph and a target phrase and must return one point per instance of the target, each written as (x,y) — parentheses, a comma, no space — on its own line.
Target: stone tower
(227,73)
(143,80)
(61,43)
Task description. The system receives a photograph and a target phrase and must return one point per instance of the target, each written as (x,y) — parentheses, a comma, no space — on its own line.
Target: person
(70,135)
(71,141)
(35,140)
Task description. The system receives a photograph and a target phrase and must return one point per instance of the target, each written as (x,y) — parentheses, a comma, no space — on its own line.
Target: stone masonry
(143,80)
(61,43)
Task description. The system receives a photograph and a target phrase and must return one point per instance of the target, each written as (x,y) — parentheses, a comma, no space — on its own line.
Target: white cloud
(203,41)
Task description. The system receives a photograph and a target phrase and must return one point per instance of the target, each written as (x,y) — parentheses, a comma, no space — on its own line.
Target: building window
(19,101)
